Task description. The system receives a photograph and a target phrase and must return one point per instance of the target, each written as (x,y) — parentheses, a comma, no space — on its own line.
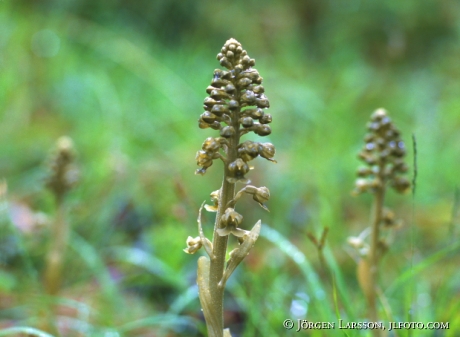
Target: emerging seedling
(235,106)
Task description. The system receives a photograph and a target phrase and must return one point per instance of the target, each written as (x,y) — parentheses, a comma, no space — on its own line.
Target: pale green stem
(220,242)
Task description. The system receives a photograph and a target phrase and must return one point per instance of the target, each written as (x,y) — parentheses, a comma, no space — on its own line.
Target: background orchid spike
(383,153)
(235,106)
(63,173)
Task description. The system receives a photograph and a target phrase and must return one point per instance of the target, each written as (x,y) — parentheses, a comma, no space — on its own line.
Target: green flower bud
(211,145)
(224,62)
(208,117)
(243,83)
(248,150)
(202,124)
(215,125)
(230,88)
(261,195)
(220,109)
(247,122)
(232,104)
(231,218)
(237,170)
(237,70)
(248,97)
(209,89)
(267,151)
(203,158)
(218,82)
(219,94)
(209,102)
(227,131)
(245,59)
(256,113)
(262,130)
(266,119)
(262,102)
(230,221)
(252,74)
(258,89)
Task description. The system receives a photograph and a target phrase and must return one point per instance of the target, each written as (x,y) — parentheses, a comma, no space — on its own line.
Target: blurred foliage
(126,79)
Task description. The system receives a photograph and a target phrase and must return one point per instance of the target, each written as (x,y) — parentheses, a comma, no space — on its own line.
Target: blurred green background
(126,79)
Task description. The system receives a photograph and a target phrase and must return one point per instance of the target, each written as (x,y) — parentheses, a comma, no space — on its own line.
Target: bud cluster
(235,106)
(383,152)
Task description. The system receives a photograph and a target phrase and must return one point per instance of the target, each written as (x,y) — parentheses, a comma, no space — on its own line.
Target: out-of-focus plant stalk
(379,196)
(383,154)
(56,252)
(63,175)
